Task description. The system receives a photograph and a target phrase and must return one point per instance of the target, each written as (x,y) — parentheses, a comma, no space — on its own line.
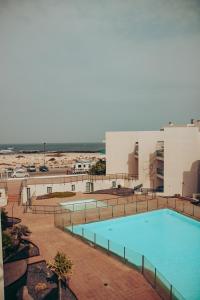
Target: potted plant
(62,267)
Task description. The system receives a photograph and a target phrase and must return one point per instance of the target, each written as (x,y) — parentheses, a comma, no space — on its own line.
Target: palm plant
(20,231)
(7,244)
(62,267)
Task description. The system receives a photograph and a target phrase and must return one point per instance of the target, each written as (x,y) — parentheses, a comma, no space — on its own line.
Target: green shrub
(7,244)
(99,168)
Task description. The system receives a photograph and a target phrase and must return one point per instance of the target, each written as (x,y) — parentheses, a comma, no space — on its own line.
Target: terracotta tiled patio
(96,275)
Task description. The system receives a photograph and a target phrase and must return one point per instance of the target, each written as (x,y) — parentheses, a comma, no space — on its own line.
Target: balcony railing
(160,153)
(136,150)
(160,171)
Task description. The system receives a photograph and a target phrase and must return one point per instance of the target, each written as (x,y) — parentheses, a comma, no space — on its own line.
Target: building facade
(167,160)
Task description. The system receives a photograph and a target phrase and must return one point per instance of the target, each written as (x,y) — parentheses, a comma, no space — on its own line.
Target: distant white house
(82,166)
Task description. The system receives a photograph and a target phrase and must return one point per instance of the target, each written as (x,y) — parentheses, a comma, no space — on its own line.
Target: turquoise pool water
(169,240)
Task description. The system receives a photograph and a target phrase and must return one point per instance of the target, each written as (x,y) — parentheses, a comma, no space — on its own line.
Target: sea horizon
(53,147)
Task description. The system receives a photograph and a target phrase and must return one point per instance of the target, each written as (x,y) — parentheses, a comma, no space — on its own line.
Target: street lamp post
(44,152)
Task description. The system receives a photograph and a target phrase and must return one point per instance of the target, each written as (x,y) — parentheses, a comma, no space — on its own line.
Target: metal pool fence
(122,206)
(54,209)
(163,287)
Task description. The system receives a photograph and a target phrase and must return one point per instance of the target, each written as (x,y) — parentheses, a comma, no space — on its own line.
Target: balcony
(160,173)
(160,154)
(136,151)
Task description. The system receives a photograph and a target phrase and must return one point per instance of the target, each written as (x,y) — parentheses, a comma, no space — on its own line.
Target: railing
(67,220)
(160,171)
(125,206)
(163,287)
(42,209)
(74,207)
(75,178)
(160,153)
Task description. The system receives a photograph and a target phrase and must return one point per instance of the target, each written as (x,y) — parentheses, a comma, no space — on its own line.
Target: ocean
(55,147)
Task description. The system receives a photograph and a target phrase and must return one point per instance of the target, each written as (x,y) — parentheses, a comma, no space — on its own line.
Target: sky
(70,70)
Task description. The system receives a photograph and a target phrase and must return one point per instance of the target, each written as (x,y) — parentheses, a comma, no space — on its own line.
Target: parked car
(9,171)
(43,169)
(20,173)
(31,169)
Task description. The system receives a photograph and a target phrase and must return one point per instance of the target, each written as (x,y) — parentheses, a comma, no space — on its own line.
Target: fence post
(108,245)
(147,204)
(136,206)
(142,264)
(124,209)
(193,210)
(112,211)
(99,213)
(72,228)
(70,219)
(95,238)
(82,232)
(124,253)
(155,278)
(170,297)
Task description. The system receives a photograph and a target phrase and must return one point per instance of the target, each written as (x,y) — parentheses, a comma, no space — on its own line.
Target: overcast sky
(70,70)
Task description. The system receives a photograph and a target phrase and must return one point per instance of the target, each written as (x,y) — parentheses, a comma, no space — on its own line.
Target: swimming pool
(169,240)
(82,204)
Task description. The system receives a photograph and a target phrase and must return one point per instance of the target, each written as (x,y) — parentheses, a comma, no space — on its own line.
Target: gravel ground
(39,273)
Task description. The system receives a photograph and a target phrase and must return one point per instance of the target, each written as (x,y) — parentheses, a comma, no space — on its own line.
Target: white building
(3,202)
(82,166)
(168,158)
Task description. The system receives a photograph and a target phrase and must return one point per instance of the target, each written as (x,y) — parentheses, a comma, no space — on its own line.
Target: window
(49,190)
(73,187)
(0,195)
(114,184)
(79,166)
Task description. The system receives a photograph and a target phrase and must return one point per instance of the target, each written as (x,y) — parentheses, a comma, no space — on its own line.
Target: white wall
(181,157)
(3,197)
(120,147)
(1,266)
(80,186)
(181,160)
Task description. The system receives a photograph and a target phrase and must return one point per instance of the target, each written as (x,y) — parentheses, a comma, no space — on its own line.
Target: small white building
(82,166)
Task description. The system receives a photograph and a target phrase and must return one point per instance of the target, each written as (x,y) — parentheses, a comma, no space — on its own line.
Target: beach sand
(52,160)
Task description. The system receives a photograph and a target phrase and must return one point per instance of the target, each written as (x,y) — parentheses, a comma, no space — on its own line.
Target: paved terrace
(96,275)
